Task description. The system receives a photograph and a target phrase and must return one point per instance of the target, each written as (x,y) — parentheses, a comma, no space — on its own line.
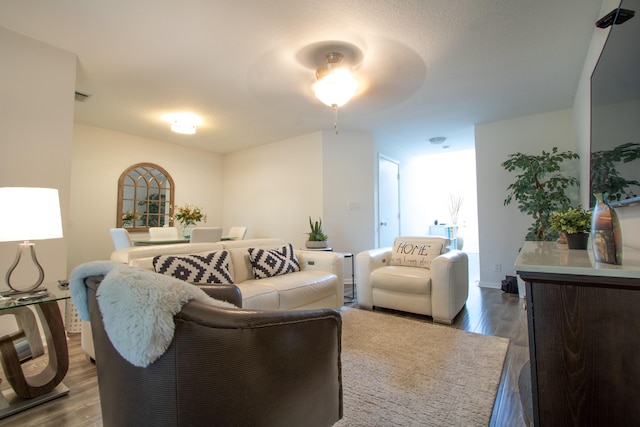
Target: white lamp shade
(336,88)
(29,213)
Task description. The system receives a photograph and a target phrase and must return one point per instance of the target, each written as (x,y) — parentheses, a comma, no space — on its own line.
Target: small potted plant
(575,223)
(317,238)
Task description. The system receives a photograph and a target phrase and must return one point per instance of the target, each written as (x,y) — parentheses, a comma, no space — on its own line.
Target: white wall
(348,171)
(99,158)
(37,82)
(274,188)
(503,228)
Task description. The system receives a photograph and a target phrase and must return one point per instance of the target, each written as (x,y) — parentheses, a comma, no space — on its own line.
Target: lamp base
(33,294)
(21,248)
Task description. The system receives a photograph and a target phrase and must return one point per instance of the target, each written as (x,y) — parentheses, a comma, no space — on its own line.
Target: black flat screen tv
(615,110)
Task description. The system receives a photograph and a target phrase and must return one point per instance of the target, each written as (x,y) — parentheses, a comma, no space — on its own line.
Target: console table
(583,320)
(32,390)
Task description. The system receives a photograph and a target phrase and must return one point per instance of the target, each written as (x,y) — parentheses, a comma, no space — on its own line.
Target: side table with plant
(575,223)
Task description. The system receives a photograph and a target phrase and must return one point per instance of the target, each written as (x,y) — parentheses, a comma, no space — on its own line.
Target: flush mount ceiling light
(185,128)
(437,140)
(336,84)
(184,123)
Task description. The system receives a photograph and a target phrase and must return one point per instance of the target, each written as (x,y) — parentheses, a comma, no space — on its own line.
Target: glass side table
(34,389)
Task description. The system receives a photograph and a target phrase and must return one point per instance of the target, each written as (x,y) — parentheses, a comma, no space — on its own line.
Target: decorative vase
(577,240)
(186,230)
(606,236)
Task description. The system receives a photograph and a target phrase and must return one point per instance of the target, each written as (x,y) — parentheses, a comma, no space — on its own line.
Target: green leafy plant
(539,188)
(316,234)
(605,178)
(571,221)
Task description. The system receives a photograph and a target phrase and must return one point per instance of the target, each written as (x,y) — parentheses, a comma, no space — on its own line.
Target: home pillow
(414,254)
(273,262)
(205,268)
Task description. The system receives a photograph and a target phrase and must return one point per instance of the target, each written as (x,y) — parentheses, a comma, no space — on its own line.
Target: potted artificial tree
(317,238)
(575,223)
(539,188)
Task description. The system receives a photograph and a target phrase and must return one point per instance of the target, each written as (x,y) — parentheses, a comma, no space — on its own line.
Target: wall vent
(81,97)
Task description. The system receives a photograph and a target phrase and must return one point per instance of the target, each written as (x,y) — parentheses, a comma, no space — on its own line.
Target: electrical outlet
(497,268)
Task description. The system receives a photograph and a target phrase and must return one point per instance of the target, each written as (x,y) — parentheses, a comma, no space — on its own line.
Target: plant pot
(316,244)
(577,240)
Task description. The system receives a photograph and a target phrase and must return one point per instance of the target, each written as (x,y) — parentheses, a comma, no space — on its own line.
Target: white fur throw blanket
(137,307)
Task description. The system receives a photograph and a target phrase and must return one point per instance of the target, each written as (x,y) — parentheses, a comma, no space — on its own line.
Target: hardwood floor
(488,311)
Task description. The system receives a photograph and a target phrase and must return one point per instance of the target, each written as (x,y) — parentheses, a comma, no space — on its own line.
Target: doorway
(388,201)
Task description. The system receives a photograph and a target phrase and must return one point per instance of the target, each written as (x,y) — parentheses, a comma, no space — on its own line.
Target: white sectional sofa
(318,284)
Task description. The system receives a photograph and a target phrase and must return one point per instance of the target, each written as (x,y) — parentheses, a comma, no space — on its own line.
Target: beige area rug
(403,372)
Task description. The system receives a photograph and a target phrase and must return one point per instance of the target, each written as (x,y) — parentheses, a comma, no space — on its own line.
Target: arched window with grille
(145,197)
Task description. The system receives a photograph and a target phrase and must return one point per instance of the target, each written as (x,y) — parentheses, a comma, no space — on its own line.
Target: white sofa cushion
(258,296)
(294,290)
(402,279)
(142,256)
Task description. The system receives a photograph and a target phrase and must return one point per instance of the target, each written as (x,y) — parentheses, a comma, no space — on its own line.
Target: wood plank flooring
(488,311)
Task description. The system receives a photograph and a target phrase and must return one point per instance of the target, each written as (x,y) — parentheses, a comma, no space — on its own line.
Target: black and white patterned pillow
(199,268)
(273,262)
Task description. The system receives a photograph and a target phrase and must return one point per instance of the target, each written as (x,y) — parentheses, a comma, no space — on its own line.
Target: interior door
(388,201)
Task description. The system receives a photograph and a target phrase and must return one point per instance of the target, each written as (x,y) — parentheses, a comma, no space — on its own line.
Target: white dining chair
(206,234)
(164,233)
(121,238)
(237,233)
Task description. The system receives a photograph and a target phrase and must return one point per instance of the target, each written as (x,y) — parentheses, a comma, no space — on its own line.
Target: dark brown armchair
(226,367)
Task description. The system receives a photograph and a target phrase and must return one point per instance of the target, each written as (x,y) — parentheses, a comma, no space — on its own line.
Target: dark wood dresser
(584,336)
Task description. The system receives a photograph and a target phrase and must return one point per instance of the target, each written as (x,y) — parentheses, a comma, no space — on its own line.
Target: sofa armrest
(321,261)
(366,262)
(449,285)
(332,262)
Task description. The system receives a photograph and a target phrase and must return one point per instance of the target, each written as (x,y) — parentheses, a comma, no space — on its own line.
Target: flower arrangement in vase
(575,223)
(129,218)
(188,215)
(455,202)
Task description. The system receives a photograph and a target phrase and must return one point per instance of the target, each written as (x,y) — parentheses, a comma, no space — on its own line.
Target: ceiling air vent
(81,97)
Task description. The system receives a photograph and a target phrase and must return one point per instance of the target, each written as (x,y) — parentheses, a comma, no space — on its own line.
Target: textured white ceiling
(428,67)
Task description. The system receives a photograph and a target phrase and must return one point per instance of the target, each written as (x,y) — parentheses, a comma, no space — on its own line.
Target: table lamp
(28,213)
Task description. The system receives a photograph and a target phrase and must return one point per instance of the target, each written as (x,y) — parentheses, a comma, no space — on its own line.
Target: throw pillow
(204,268)
(273,262)
(414,254)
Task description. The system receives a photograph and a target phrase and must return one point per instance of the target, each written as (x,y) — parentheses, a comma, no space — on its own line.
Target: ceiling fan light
(336,88)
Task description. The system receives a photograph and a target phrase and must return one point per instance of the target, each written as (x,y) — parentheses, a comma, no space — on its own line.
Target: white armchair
(414,276)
